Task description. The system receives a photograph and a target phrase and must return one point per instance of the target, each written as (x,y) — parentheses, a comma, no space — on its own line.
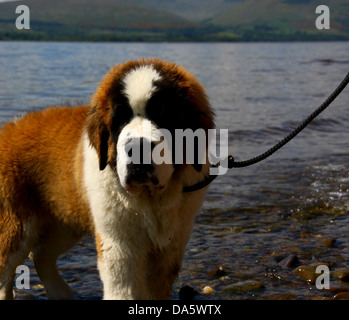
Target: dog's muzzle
(141,168)
(135,164)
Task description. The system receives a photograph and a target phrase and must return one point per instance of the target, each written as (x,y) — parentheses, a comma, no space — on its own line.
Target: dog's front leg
(122,269)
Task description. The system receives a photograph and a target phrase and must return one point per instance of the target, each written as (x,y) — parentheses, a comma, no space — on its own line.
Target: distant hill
(174,20)
(261,19)
(284,17)
(193,10)
(89,20)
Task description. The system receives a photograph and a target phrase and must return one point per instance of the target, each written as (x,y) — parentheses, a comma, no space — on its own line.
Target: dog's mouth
(155,181)
(139,180)
(151,187)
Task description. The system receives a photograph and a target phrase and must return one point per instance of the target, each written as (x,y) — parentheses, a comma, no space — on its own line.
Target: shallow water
(295,202)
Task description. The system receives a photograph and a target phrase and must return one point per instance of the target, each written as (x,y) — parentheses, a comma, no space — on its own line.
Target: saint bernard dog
(63,174)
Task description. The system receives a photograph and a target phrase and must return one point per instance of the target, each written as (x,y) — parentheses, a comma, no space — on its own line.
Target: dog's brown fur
(40,189)
(44,206)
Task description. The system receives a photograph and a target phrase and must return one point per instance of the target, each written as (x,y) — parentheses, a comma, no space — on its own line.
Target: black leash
(241,164)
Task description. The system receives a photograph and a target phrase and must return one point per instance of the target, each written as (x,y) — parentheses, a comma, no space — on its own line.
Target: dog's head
(133,120)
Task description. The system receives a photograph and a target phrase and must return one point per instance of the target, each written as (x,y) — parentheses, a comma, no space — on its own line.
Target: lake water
(296,202)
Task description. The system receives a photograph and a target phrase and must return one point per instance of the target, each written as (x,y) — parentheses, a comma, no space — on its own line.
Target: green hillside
(296,13)
(193,10)
(250,20)
(90,20)
(285,18)
(175,20)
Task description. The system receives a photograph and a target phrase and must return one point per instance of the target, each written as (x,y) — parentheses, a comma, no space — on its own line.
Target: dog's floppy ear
(98,134)
(102,148)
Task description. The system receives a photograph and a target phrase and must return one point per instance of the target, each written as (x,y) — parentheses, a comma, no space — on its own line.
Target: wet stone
(341,296)
(23,295)
(328,242)
(306,273)
(217,272)
(289,262)
(342,275)
(187,293)
(243,286)
(337,289)
(207,290)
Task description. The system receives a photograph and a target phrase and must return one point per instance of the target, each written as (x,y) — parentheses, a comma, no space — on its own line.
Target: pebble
(243,286)
(289,262)
(341,296)
(187,293)
(207,290)
(342,275)
(22,295)
(336,289)
(217,272)
(37,286)
(328,242)
(306,273)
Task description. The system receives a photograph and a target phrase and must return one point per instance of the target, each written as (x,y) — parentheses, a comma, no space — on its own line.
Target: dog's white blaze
(140,128)
(139,87)
(137,128)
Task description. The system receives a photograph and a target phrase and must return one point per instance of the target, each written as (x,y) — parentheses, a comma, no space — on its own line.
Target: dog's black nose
(139,172)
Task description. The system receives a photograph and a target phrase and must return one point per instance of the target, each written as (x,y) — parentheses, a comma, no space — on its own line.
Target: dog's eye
(161,115)
(121,116)
(163,109)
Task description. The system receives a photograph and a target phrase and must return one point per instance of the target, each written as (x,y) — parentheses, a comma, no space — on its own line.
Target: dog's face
(134,114)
